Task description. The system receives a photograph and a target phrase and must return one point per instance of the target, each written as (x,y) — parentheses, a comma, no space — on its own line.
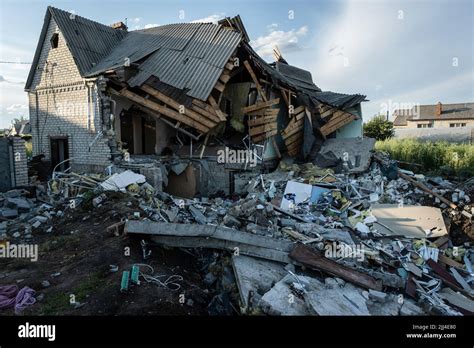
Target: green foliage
(29,149)
(438,157)
(379,128)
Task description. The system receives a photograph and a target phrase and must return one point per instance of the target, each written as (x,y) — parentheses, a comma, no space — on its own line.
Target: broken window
(55,40)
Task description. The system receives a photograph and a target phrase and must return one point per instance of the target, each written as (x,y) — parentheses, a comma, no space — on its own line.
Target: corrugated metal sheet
(186,56)
(88,41)
(180,71)
(299,77)
(339,100)
(202,41)
(223,45)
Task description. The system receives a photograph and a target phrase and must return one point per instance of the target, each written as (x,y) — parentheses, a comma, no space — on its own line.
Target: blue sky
(395,51)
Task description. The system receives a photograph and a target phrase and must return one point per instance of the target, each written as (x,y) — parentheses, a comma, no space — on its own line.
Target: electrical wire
(170,282)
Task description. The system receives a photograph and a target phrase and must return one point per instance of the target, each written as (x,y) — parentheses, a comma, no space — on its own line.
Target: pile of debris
(303,240)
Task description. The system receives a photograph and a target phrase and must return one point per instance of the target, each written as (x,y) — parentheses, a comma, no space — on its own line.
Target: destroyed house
(102,95)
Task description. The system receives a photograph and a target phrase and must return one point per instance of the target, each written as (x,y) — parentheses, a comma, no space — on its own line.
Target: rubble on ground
(304,240)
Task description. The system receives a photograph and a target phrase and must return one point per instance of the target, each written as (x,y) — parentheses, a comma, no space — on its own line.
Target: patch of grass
(60,302)
(57,242)
(54,304)
(435,157)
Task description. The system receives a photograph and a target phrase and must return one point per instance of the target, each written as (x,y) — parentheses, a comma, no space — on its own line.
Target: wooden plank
(298,110)
(337,116)
(446,277)
(260,105)
(225,77)
(259,138)
(219,86)
(294,149)
(174,104)
(265,112)
(219,112)
(163,110)
(229,65)
(289,139)
(269,119)
(300,115)
(323,108)
(317,261)
(292,132)
(328,112)
(206,113)
(291,127)
(255,80)
(337,123)
(275,147)
(202,105)
(256,122)
(426,189)
(285,97)
(271,133)
(263,129)
(450,262)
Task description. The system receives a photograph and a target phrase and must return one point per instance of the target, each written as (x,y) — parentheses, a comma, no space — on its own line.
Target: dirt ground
(81,250)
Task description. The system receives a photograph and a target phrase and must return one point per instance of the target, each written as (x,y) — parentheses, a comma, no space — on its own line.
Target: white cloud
(17,108)
(148,26)
(135,20)
(459,87)
(287,41)
(214,18)
(271,27)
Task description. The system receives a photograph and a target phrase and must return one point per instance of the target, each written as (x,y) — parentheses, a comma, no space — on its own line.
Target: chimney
(119,25)
(439,109)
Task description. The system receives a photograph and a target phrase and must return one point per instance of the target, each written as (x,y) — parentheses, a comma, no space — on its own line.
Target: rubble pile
(304,240)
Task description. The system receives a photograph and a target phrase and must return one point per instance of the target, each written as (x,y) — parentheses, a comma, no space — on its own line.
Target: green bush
(29,149)
(432,156)
(379,128)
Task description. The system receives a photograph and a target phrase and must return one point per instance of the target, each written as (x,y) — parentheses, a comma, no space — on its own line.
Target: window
(55,40)
(455,125)
(424,125)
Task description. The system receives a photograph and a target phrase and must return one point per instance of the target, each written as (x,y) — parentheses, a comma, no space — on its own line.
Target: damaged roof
(339,100)
(187,56)
(87,40)
(301,80)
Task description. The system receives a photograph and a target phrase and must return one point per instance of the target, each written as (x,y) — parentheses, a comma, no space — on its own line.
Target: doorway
(59,153)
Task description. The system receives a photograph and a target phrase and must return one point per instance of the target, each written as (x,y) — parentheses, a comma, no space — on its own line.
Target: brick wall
(20,163)
(64,104)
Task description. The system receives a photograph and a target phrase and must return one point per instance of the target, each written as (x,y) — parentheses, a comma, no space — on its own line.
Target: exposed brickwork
(62,103)
(20,163)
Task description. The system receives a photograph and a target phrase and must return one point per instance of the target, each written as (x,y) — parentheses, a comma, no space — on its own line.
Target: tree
(379,128)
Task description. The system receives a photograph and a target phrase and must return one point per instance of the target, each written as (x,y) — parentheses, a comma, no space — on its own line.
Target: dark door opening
(59,153)
(148,136)
(126,130)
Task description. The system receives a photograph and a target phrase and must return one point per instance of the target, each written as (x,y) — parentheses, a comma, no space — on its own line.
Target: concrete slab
(358,151)
(255,275)
(409,220)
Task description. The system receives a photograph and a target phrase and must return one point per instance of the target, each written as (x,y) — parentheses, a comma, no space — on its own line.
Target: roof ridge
(52,10)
